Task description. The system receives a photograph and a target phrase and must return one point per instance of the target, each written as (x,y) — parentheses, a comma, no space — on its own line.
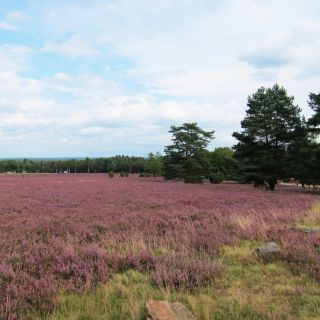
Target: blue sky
(98,78)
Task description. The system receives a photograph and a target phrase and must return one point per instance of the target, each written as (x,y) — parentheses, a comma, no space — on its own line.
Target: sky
(100,78)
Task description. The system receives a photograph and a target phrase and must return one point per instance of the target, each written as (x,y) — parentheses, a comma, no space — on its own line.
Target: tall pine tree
(187,158)
(268,130)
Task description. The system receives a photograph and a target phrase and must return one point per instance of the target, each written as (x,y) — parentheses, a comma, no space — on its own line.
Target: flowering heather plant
(143,262)
(85,268)
(178,271)
(72,232)
(302,252)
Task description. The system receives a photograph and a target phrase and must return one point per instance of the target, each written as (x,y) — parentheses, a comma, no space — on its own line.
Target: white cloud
(73,48)
(195,50)
(13,20)
(13,58)
(17,16)
(191,61)
(4,25)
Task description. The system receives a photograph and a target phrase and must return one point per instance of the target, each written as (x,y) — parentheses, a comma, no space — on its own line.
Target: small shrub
(301,252)
(193,179)
(204,240)
(126,174)
(177,271)
(111,174)
(216,177)
(145,175)
(121,174)
(144,261)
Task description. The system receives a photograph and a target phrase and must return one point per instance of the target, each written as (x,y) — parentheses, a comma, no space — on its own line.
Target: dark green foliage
(145,175)
(124,163)
(193,179)
(303,157)
(269,128)
(223,165)
(314,103)
(305,153)
(187,158)
(216,177)
(87,165)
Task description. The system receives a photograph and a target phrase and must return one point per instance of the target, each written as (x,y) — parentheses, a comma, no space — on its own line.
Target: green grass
(248,289)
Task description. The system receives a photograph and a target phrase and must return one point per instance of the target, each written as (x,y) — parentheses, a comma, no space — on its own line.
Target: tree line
(88,165)
(276,142)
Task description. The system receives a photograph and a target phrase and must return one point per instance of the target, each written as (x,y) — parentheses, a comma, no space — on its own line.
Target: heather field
(91,247)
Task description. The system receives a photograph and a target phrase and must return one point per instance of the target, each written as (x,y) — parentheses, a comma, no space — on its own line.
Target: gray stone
(269,250)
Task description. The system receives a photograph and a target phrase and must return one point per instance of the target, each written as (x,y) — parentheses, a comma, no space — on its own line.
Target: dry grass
(312,219)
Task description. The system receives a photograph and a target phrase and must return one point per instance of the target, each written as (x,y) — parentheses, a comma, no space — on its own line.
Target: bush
(216,177)
(111,174)
(143,262)
(301,252)
(126,174)
(177,271)
(121,174)
(145,174)
(258,182)
(193,179)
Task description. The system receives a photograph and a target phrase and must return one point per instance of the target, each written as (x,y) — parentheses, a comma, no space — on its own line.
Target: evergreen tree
(268,129)
(187,158)
(305,153)
(314,103)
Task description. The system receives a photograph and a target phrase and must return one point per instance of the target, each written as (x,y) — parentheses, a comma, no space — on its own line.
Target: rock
(269,250)
(159,310)
(181,311)
(163,310)
(307,230)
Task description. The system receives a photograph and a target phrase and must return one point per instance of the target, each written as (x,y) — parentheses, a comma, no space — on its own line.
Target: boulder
(163,310)
(269,251)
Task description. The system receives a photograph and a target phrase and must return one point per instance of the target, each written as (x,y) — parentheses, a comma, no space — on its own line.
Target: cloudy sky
(98,78)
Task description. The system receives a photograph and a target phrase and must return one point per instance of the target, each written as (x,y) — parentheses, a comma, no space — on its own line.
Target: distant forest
(87,165)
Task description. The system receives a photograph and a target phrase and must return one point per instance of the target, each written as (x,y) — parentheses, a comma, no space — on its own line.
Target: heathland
(86,246)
